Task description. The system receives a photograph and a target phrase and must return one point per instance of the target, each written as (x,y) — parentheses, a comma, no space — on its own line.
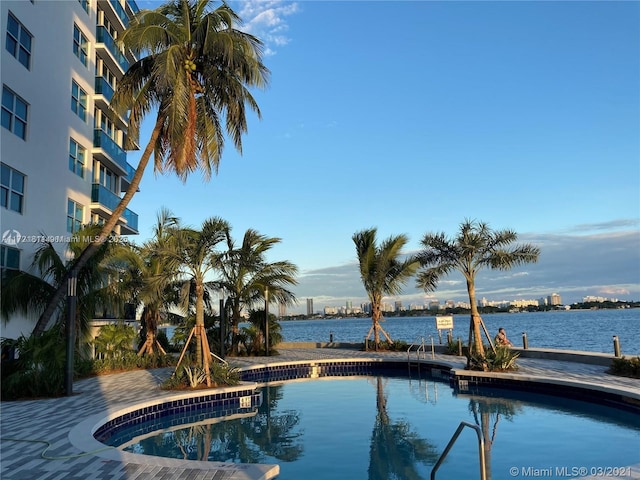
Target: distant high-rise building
(282,310)
(398,306)
(309,306)
(554,299)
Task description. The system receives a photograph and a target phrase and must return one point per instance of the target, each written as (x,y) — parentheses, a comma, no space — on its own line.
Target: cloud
(613,225)
(267,20)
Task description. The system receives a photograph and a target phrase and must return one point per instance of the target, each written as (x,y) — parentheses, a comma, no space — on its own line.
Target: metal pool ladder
(483,465)
(421,347)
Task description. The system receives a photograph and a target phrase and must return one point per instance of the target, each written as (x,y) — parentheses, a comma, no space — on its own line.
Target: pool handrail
(483,465)
(420,342)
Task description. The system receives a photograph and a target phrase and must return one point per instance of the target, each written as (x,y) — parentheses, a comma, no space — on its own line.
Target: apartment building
(63,164)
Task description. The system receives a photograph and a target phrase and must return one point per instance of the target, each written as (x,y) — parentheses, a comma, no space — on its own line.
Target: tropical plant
(246,277)
(383,272)
(39,368)
(195,375)
(192,254)
(147,277)
(114,340)
(195,70)
(28,293)
(224,374)
(626,367)
(498,359)
(254,333)
(475,247)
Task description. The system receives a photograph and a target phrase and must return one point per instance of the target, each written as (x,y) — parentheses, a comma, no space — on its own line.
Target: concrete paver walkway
(39,423)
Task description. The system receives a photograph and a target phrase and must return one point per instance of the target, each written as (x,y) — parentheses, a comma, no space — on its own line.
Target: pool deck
(37,422)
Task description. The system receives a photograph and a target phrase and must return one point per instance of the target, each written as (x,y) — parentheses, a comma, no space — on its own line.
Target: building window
(77,158)
(85,5)
(9,258)
(14,113)
(78,101)
(12,189)
(80,45)
(18,41)
(108,179)
(75,212)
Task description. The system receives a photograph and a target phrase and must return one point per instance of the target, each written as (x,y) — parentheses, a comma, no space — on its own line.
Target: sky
(412,116)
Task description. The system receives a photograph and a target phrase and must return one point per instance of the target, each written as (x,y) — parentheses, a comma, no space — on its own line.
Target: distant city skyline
(551,300)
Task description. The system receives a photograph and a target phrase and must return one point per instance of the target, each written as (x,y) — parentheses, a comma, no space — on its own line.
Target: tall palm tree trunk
(199,322)
(92,248)
(475,320)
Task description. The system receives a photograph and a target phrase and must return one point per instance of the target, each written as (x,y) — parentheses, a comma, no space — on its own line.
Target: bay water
(586,330)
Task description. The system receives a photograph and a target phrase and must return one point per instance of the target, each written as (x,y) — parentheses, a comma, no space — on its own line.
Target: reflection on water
(396,447)
(384,428)
(253,438)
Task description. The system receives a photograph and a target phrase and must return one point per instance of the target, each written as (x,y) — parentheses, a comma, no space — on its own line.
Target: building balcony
(109,152)
(109,52)
(102,98)
(104,93)
(104,202)
(133,6)
(115,12)
(126,180)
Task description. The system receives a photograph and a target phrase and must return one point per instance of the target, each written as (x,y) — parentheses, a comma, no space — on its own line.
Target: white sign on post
(444,322)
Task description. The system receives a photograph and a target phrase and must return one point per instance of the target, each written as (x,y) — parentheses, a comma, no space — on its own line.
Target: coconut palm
(192,253)
(195,71)
(245,276)
(475,247)
(383,272)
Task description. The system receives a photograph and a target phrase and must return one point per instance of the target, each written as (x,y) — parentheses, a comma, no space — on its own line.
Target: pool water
(383,427)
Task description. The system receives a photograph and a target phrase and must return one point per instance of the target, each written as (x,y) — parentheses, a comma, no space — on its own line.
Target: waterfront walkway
(46,424)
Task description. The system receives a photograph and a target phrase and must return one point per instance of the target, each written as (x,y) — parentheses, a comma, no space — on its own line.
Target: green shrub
(502,360)
(396,346)
(626,367)
(39,369)
(452,348)
(188,375)
(224,374)
(130,361)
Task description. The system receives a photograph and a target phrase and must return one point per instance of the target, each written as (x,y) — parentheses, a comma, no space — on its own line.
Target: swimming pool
(384,427)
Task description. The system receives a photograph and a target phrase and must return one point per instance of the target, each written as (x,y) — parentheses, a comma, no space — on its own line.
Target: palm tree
(114,340)
(147,278)
(255,332)
(382,271)
(192,253)
(195,71)
(475,247)
(245,276)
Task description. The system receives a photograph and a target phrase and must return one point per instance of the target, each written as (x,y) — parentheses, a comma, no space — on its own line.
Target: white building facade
(63,165)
